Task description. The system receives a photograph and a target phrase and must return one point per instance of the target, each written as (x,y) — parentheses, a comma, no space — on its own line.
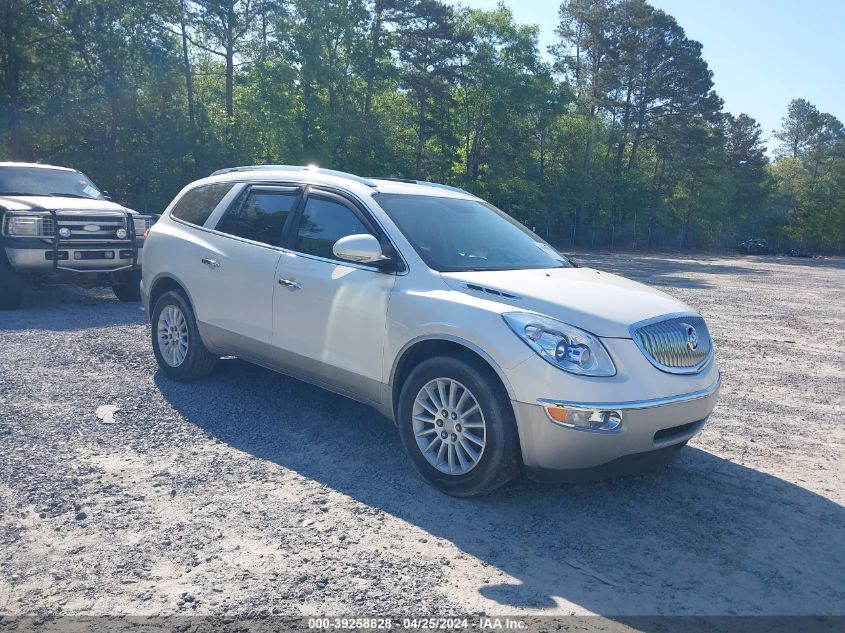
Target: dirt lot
(253,493)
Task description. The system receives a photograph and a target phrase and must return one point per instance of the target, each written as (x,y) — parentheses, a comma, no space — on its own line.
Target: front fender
(458,340)
(448,315)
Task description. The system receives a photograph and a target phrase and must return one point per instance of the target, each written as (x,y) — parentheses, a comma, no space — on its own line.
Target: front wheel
(457,424)
(127,286)
(177,345)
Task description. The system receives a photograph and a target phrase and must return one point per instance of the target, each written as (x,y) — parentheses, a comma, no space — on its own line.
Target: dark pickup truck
(54,221)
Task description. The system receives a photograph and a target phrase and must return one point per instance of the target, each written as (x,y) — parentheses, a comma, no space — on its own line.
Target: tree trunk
(638,133)
(585,176)
(230,81)
(474,157)
(375,37)
(229,45)
(13,83)
(420,138)
(543,161)
(189,86)
(13,87)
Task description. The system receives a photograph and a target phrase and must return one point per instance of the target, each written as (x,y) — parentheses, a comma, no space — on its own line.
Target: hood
(58,203)
(601,303)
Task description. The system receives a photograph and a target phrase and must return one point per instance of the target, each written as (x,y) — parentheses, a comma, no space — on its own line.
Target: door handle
(211,263)
(290,283)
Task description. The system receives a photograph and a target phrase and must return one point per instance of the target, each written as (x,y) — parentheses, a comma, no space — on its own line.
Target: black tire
(198,361)
(127,285)
(501,459)
(11,284)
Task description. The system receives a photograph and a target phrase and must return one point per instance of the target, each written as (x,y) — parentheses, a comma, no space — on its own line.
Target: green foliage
(810,177)
(622,142)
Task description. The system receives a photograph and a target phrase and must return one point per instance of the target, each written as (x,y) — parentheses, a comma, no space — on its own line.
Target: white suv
(491,351)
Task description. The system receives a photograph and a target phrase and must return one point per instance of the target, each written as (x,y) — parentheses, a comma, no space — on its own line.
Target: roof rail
(309,168)
(441,186)
(408,180)
(424,183)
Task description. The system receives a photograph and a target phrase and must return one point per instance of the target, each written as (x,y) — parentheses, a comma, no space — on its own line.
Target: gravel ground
(251,493)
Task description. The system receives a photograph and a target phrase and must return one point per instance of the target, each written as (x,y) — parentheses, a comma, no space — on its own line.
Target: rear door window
(261,215)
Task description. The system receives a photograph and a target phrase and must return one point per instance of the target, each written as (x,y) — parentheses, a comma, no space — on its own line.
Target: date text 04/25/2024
(425,624)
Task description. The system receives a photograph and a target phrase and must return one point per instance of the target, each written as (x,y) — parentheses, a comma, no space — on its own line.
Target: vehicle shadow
(67,307)
(708,536)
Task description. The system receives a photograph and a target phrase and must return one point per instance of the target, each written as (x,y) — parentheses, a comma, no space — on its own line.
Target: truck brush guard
(90,230)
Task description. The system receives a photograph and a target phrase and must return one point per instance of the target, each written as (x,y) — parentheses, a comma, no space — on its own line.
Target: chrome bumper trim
(33,260)
(638,404)
(94,270)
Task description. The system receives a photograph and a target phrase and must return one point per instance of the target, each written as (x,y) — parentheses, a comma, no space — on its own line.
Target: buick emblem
(692,337)
(91,228)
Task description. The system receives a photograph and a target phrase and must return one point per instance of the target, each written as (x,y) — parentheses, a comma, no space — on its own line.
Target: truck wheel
(457,424)
(176,340)
(127,286)
(11,284)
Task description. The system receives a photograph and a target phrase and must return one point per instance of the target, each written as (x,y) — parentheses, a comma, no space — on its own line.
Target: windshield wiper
(68,195)
(21,193)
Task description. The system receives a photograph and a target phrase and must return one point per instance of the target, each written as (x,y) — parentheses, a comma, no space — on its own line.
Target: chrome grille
(107,226)
(676,344)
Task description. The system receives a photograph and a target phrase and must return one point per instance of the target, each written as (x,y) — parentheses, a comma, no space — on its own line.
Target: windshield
(40,181)
(454,235)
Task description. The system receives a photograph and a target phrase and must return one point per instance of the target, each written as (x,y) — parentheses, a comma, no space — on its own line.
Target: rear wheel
(11,284)
(177,345)
(127,285)
(458,427)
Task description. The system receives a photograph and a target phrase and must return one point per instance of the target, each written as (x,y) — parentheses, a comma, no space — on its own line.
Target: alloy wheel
(449,426)
(172,335)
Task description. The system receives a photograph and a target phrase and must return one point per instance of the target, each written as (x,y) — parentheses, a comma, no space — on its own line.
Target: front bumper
(647,426)
(35,257)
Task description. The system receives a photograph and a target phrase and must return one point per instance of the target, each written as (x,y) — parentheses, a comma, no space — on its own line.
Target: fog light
(77,255)
(121,234)
(611,421)
(109,254)
(585,419)
(64,232)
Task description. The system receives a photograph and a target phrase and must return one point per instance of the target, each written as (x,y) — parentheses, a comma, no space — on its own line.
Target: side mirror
(360,248)
(106,195)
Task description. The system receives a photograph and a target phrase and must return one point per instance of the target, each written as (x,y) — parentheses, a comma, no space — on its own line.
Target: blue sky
(763,53)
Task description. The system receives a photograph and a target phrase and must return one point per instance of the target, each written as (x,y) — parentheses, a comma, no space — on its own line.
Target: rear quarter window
(196,205)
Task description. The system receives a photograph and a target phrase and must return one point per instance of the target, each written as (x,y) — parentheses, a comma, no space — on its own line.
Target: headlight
(564,346)
(23,225)
(141,225)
